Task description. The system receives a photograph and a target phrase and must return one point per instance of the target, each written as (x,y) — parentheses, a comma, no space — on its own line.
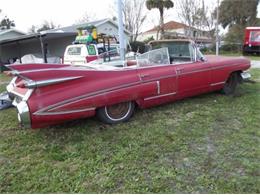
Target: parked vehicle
(47,94)
(89,46)
(80,54)
(252,41)
(37,58)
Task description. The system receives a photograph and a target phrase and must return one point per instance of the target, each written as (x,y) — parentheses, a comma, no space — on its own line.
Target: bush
(138,46)
(231,47)
(149,39)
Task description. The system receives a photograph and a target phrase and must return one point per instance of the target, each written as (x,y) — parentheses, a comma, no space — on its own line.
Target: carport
(49,43)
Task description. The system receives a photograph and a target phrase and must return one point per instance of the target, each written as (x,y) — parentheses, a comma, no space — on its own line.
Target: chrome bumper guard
(23,114)
(19,102)
(245,76)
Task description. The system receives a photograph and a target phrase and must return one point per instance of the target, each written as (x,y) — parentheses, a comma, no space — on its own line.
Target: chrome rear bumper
(20,102)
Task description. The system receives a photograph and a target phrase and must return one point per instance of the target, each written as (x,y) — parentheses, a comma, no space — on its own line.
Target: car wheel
(231,84)
(116,113)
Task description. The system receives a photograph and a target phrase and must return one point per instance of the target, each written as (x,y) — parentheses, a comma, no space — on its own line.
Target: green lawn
(251,57)
(205,144)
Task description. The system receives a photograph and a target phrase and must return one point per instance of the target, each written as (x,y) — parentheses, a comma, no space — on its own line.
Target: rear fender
(102,98)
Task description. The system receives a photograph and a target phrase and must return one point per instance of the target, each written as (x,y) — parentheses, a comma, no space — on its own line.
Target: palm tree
(161,5)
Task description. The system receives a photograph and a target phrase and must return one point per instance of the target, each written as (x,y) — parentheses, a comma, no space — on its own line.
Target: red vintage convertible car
(47,94)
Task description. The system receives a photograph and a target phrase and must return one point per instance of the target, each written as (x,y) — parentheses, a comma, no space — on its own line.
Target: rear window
(74,51)
(91,50)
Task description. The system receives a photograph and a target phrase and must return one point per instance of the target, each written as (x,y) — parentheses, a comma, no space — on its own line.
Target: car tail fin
(42,83)
(31,67)
(32,77)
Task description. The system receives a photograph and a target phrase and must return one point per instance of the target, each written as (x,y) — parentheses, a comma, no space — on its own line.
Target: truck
(90,46)
(252,41)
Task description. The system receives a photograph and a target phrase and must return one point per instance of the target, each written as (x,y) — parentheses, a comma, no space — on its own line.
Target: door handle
(179,70)
(142,76)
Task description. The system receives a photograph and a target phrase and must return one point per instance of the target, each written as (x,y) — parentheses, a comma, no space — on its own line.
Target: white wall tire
(116,113)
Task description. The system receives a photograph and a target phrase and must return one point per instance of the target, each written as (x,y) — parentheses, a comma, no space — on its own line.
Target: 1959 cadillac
(47,94)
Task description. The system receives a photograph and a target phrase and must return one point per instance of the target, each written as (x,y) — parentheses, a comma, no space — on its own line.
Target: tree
(134,16)
(6,23)
(197,16)
(42,27)
(33,29)
(236,15)
(235,35)
(161,5)
(46,26)
(240,12)
(87,17)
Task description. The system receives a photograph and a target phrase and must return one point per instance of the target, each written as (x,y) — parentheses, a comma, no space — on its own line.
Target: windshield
(154,57)
(199,54)
(175,48)
(179,51)
(255,36)
(74,51)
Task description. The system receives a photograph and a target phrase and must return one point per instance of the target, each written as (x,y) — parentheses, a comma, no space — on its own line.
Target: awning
(52,35)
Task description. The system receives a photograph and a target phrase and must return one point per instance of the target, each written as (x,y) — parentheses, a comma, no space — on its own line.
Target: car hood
(223,60)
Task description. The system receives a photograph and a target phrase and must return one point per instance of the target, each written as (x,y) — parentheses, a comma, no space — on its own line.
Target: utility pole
(121,30)
(217,37)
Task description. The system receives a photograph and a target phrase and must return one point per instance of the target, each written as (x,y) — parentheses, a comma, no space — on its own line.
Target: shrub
(138,46)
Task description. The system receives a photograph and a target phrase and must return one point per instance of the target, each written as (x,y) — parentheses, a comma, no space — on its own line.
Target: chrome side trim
(96,93)
(34,84)
(158,87)
(208,69)
(85,96)
(40,113)
(219,83)
(159,96)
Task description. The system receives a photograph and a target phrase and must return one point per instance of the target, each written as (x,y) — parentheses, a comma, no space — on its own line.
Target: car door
(194,76)
(165,78)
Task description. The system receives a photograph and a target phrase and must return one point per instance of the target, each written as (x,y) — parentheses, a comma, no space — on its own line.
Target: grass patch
(251,57)
(205,144)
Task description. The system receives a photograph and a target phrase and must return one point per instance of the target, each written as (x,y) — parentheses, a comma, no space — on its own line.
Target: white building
(10,34)
(175,29)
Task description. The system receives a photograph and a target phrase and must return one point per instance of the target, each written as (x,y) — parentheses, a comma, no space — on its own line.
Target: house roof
(169,26)
(59,32)
(50,35)
(11,30)
(171,40)
(73,28)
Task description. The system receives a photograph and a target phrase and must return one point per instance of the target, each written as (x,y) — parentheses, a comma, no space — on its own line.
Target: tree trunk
(161,23)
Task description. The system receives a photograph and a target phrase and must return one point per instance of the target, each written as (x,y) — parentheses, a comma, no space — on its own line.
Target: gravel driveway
(255,64)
